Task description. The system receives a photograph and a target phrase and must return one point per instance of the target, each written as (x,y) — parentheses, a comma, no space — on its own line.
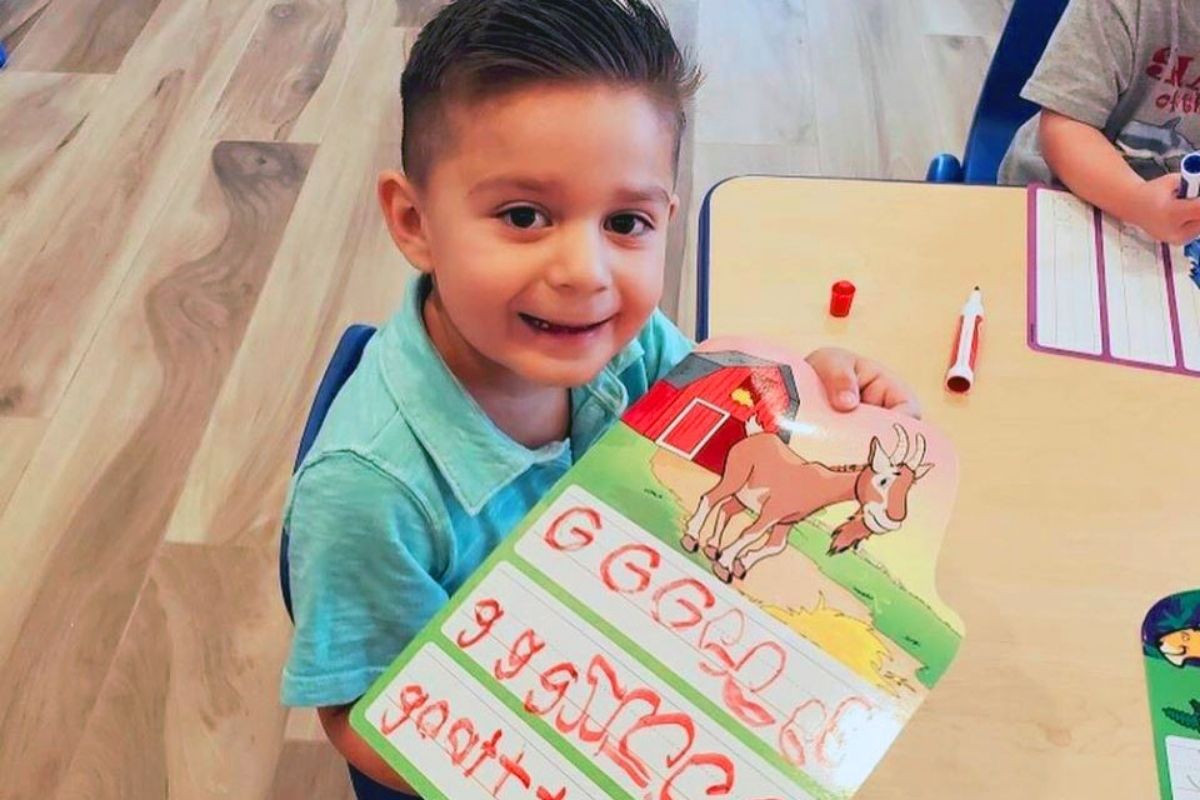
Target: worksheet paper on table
(1100,289)
(662,626)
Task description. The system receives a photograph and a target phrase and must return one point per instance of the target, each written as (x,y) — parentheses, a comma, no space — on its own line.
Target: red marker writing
(961,374)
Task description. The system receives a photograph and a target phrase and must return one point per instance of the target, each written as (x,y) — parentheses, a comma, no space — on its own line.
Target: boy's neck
(530,414)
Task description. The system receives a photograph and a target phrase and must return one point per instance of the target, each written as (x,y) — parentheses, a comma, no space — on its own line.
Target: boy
(1119,87)
(540,147)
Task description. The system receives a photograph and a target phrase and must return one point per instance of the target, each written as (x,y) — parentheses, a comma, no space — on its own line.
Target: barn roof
(701,365)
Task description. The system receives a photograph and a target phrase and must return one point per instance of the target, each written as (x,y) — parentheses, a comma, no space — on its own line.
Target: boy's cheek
(650,277)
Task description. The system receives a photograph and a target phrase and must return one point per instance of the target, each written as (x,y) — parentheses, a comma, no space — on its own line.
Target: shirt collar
(476,458)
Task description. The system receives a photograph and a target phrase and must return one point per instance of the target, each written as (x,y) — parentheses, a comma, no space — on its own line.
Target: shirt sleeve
(363,556)
(664,345)
(1088,64)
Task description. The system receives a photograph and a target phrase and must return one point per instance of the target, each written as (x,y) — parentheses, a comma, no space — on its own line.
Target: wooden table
(1078,480)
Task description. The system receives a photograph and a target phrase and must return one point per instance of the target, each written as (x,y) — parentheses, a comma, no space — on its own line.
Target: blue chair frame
(1001,110)
(344,361)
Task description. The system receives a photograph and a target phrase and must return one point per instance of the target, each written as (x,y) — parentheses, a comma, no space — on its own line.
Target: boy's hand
(1091,167)
(1159,212)
(849,379)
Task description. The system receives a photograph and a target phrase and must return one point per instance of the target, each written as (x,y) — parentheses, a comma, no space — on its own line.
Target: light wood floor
(186,225)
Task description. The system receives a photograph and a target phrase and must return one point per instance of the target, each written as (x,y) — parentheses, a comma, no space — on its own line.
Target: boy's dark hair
(475,49)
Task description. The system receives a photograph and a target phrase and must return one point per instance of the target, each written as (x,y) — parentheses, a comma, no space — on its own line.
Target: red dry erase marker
(961,374)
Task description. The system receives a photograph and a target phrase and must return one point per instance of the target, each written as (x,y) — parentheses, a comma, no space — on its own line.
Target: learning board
(731,594)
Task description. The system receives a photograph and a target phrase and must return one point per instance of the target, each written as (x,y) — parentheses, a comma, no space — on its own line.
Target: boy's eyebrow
(627,194)
(639,194)
(510,182)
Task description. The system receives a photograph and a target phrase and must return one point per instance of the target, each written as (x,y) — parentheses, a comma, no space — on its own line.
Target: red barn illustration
(705,405)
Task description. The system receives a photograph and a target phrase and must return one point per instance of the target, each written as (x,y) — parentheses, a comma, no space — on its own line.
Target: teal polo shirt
(409,487)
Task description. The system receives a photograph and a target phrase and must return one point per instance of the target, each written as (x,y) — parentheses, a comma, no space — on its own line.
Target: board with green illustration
(731,594)
(1171,647)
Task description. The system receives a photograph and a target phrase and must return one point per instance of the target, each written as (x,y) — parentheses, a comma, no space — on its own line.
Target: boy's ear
(400,203)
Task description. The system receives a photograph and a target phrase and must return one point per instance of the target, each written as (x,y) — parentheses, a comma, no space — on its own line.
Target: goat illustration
(765,476)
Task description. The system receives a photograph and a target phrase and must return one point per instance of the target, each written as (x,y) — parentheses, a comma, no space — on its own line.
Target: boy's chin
(562,373)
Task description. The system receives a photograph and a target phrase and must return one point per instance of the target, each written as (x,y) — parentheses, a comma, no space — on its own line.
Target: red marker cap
(841,298)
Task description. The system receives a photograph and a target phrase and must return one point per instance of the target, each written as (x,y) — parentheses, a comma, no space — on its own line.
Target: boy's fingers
(850,380)
(886,391)
(1168,185)
(1191,231)
(901,402)
(835,368)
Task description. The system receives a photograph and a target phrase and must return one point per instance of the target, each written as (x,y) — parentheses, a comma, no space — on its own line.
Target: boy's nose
(581,264)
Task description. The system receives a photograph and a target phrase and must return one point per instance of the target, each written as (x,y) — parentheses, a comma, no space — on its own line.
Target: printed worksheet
(1101,289)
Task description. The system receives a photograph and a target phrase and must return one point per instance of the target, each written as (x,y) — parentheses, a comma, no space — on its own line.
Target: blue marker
(3,56)
(1189,176)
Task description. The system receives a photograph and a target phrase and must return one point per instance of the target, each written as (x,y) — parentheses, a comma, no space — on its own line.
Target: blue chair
(1001,109)
(345,360)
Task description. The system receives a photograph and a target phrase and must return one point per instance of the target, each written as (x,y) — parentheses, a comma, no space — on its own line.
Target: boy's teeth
(544,325)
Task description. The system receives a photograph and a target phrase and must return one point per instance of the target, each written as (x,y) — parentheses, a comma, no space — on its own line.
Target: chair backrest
(345,358)
(1001,109)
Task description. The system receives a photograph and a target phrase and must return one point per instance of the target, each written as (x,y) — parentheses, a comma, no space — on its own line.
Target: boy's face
(544,224)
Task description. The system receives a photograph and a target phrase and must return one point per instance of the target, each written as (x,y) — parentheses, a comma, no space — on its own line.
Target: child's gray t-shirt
(1110,64)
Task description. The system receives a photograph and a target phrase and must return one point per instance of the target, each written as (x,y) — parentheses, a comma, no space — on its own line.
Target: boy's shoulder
(365,440)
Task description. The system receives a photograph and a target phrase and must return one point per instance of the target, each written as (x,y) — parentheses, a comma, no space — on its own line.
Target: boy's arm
(336,721)
(363,553)
(1087,71)
(1093,169)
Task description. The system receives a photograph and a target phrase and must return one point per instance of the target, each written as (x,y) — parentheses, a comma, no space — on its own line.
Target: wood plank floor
(187,223)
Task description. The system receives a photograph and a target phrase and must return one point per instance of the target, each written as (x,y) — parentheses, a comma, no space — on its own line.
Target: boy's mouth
(560,328)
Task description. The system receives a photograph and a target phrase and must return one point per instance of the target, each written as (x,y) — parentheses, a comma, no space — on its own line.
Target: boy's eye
(524,217)
(628,224)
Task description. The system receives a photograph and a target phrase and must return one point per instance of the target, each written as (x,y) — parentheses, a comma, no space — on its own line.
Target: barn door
(692,429)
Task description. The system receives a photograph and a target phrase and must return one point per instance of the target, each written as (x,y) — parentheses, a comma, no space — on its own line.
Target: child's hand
(850,378)
(1159,212)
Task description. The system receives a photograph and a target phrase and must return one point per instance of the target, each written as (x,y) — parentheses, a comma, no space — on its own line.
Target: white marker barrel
(1189,176)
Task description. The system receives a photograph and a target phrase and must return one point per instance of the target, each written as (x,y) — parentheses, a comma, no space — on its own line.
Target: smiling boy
(541,141)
